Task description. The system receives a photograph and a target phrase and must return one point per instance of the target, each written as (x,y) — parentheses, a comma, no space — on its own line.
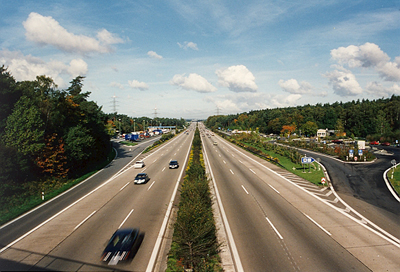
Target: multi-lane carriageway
(275,221)
(74,237)
(268,219)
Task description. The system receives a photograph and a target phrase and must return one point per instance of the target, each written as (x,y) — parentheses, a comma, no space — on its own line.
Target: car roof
(174,161)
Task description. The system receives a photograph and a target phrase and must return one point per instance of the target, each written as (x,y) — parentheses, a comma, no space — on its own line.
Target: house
(321,133)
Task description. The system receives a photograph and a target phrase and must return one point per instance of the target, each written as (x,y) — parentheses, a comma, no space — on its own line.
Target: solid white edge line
(312,220)
(54,198)
(57,214)
(273,188)
(232,245)
(245,189)
(276,231)
(84,220)
(126,218)
(389,237)
(160,236)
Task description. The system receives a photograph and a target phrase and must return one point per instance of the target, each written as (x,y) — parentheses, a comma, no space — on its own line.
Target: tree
(288,129)
(9,95)
(52,159)
(25,128)
(78,147)
(309,128)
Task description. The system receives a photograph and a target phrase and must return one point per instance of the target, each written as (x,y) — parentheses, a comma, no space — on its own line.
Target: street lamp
(119,123)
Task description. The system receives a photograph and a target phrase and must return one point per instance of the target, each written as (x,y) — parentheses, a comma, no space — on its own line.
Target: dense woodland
(50,134)
(373,120)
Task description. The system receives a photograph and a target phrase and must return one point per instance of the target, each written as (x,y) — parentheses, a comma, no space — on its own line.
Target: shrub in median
(194,243)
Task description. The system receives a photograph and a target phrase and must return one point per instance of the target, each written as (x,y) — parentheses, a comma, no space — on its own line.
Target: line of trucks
(137,136)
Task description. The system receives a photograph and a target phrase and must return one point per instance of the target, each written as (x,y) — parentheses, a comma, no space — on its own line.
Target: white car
(139,164)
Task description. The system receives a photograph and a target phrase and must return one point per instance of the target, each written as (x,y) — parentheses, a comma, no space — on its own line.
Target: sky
(193,59)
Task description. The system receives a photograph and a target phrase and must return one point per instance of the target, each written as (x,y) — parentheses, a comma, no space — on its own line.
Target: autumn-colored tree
(288,129)
(52,159)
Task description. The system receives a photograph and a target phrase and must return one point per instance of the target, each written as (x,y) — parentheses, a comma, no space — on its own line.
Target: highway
(279,222)
(74,238)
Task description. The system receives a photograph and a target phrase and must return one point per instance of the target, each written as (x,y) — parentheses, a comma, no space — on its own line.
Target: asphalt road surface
(362,186)
(71,236)
(276,221)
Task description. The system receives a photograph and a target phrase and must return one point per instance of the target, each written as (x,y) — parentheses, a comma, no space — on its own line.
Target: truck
(132,137)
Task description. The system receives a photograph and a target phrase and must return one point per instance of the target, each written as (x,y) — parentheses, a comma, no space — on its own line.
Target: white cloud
(154,55)
(47,31)
(28,67)
(245,102)
(77,67)
(193,82)
(293,87)
(138,85)
(343,82)
(378,90)
(108,38)
(116,84)
(187,45)
(368,55)
(237,78)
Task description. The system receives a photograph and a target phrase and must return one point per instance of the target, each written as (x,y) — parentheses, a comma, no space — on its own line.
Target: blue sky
(193,59)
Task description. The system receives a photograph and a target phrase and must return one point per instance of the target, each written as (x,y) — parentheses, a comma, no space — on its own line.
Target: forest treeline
(373,120)
(50,134)
(46,133)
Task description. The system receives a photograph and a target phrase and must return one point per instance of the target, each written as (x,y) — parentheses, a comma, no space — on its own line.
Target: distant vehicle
(173,164)
(139,164)
(119,248)
(337,141)
(215,143)
(132,137)
(385,143)
(374,143)
(141,178)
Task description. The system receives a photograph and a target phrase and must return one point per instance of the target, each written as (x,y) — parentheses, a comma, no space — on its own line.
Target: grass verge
(31,194)
(395,181)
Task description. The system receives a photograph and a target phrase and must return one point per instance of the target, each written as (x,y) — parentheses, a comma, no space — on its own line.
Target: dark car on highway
(120,246)
(141,178)
(385,143)
(173,164)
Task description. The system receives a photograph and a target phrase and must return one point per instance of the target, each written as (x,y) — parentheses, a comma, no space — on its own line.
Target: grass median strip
(194,243)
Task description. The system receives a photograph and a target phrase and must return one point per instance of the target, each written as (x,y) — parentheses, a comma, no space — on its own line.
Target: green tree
(9,95)
(309,128)
(25,128)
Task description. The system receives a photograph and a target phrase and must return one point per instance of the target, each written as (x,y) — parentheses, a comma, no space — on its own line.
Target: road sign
(307,160)
(393,161)
(323,180)
(360,152)
(351,153)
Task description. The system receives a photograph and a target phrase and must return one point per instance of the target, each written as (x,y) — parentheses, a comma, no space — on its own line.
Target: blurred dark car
(141,178)
(173,164)
(385,143)
(373,143)
(120,246)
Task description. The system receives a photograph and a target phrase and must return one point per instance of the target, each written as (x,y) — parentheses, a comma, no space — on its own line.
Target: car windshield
(120,239)
(140,176)
(173,162)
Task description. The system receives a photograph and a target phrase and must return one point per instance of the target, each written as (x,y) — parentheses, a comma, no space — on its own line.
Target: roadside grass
(129,143)
(30,195)
(395,181)
(311,172)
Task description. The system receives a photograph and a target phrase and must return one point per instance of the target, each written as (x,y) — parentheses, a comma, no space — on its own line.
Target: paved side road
(361,186)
